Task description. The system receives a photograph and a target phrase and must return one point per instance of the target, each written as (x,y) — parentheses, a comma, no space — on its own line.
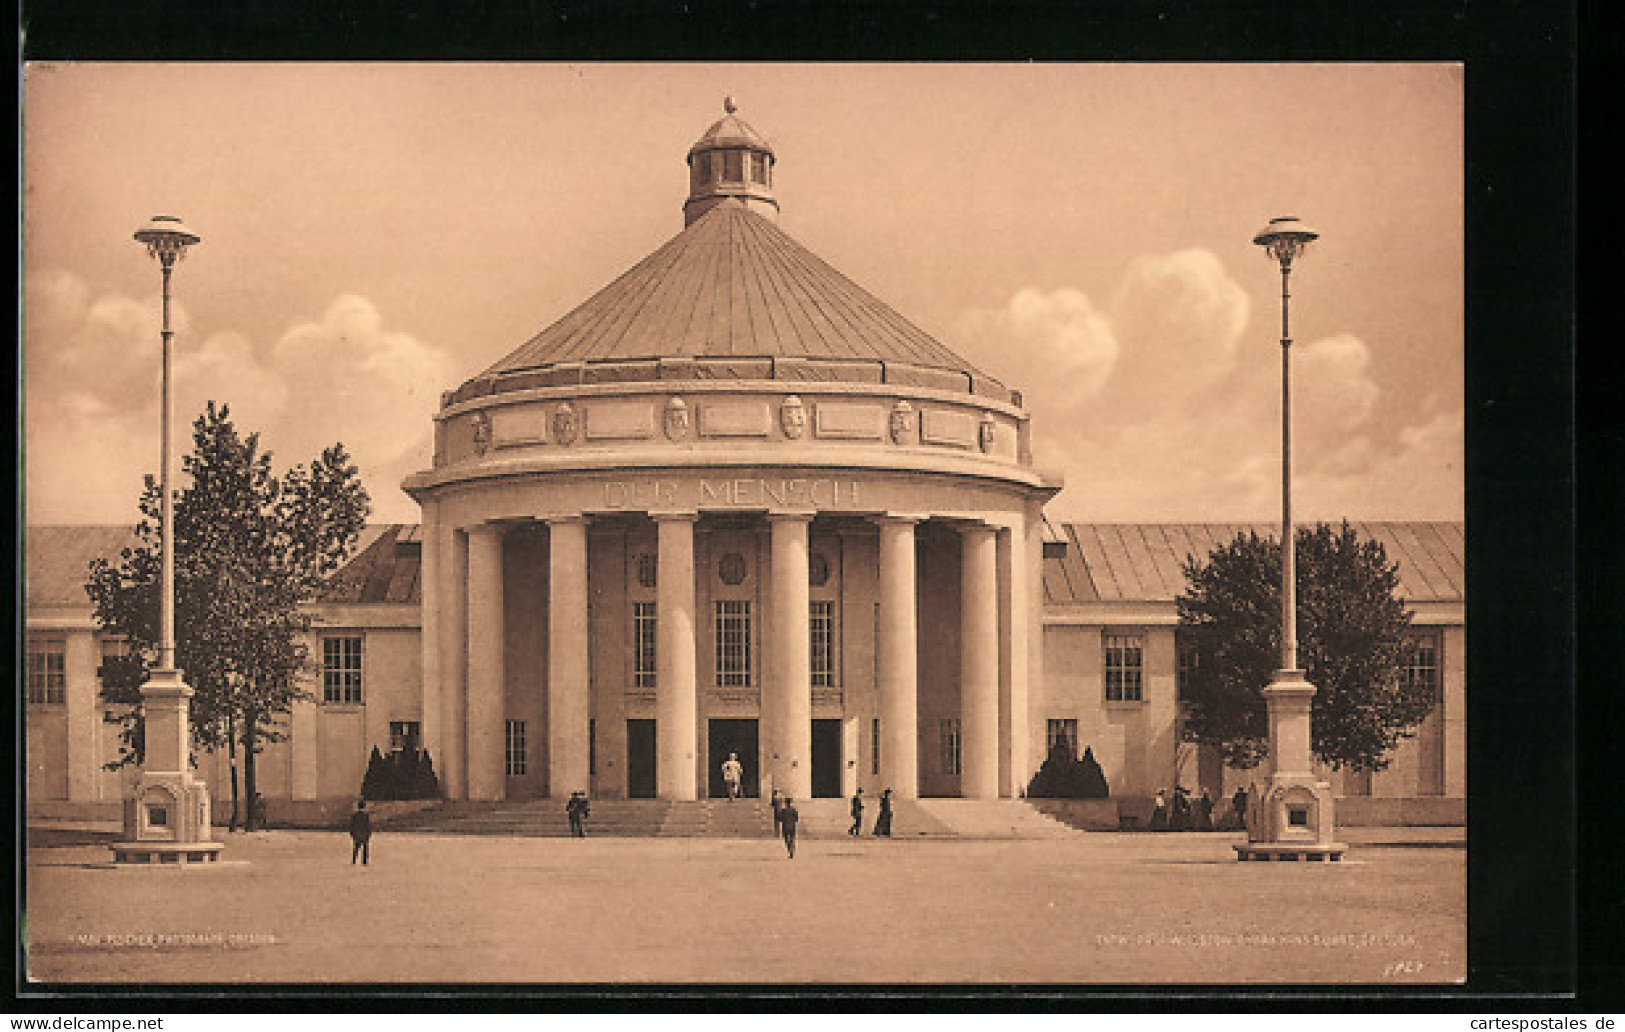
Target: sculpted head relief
(565,424)
(902,423)
(677,419)
(792,417)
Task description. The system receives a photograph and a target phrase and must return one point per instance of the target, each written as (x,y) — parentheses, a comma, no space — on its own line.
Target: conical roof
(734,285)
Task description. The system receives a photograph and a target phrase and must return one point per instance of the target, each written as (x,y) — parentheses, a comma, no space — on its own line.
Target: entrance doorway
(826,759)
(640,759)
(732,736)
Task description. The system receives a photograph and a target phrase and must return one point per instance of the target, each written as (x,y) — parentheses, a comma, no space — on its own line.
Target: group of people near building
(1183,813)
(882,819)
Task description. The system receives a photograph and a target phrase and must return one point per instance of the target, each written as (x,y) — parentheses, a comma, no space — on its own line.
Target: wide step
(615,818)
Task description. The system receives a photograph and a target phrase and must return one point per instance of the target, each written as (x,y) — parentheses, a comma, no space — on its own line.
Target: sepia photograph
(634,524)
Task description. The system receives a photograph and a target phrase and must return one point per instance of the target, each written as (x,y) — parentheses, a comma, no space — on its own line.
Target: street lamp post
(166,818)
(1291,817)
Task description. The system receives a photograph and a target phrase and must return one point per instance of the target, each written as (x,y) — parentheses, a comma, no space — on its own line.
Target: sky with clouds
(375,234)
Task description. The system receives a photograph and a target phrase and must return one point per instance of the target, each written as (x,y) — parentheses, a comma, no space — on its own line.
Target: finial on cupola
(728,105)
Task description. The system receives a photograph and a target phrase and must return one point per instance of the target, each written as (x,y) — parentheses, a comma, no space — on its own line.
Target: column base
(167,820)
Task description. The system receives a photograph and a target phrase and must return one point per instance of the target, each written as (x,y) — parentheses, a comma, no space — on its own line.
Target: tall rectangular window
(514,753)
(46,678)
(733,169)
(1062,732)
(1124,652)
(758,168)
(733,643)
(341,669)
(821,621)
(874,746)
(405,735)
(948,739)
(1422,662)
(1186,657)
(643,644)
(875,644)
(592,746)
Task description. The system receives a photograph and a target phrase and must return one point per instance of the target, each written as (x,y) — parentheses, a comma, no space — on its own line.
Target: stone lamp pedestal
(166,818)
(1290,817)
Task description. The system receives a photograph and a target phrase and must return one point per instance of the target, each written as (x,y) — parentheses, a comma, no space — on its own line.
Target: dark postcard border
(1520,392)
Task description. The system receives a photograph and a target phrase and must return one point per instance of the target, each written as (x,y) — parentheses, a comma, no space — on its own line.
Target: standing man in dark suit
(857,813)
(787,823)
(576,809)
(360,832)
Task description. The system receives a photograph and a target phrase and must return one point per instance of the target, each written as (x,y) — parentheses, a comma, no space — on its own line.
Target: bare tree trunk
(231,751)
(250,780)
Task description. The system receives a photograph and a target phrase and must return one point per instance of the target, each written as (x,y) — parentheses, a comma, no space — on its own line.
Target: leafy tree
(1351,646)
(250,547)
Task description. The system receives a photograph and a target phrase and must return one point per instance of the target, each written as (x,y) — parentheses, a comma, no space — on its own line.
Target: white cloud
(1056,343)
(92,396)
(1167,422)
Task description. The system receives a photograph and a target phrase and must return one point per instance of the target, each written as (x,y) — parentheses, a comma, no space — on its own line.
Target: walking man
(360,832)
(778,813)
(857,813)
(787,825)
(577,810)
(732,773)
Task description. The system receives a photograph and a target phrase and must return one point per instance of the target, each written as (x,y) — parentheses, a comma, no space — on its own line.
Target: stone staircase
(738,818)
(615,818)
(994,819)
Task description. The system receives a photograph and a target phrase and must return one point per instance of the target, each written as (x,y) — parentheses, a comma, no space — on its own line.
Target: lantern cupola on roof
(731,160)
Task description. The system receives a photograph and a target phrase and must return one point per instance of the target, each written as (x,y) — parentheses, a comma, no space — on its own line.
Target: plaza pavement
(1090,908)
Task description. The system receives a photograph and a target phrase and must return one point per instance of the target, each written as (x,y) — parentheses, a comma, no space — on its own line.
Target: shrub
(1065,776)
(408,774)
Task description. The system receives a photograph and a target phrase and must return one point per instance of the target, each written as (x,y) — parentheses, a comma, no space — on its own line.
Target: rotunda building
(731,504)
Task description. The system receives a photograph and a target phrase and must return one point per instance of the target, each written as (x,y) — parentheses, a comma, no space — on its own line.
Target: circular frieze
(818,569)
(731,568)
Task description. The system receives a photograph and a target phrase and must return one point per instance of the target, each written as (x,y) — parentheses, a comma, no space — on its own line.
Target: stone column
(429,616)
(83,719)
(899,660)
(567,651)
(676,684)
(1032,740)
(487,680)
(1014,613)
(979,663)
(452,590)
(790,648)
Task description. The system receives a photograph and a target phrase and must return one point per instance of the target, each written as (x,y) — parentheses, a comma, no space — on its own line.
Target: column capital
(898,519)
(493,529)
(971,529)
(566,520)
(791,515)
(674,515)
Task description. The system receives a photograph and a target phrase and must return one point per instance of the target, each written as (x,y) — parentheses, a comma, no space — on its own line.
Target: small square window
(158,816)
(405,735)
(1297,816)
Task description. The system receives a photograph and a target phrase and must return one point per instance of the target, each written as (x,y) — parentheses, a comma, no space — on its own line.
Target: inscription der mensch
(740,493)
